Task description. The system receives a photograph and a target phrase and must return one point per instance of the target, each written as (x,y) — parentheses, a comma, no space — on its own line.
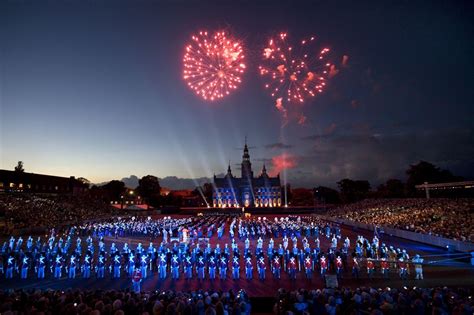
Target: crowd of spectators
(30,211)
(416,301)
(451,218)
(118,302)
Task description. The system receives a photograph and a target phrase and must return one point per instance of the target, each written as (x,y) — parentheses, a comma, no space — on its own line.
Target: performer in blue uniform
(86,266)
(261,267)
(162,265)
(25,266)
(40,266)
(200,267)
(101,266)
(117,266)
(72,267)
(174,267)
(235,267)
(223,268)
(212,267)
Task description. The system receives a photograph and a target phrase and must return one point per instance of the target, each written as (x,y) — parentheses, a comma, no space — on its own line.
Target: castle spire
(246,165)
(229,171)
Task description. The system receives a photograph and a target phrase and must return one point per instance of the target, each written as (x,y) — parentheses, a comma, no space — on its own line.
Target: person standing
(200,267)
(58,265)
(40,266)
(188,267)
(162,264)
(25,266)
(292,268)
(261,268)
(86,271)
(248,267)
(174,267)
(117,266)
(72,267)
(100,272)
(212,267)
(418,261)
(370,268)
(136,280)
(235,267)
(276,266)
(384,267)
(308,266)
(355,267)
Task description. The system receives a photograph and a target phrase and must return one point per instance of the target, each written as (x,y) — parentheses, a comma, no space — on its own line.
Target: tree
(324,194)
(353,190)
(393,188)
(149,189)
(114,190)
(84,181)
(19,167)
(302,197)
(426,172)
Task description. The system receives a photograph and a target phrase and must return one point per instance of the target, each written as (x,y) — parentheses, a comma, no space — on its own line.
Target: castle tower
(246,165)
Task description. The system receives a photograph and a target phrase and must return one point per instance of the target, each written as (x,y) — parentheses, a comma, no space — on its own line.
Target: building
(11,181)
(247,191)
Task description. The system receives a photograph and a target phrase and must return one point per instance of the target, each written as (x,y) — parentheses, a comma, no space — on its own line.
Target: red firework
(294,74)
(213,64)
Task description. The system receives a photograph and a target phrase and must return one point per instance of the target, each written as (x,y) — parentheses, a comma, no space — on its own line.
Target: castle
(247,191)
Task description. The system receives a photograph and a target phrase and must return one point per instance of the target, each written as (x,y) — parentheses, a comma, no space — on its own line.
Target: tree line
(349,190)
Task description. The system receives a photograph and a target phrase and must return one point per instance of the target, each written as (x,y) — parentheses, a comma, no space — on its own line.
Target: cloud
(333,71)
(282,162)
(282,110)
(176,183)
(362,153)
(327,132)
(302,120)
(278,145)
(330,129)
(345,59)
(131,181)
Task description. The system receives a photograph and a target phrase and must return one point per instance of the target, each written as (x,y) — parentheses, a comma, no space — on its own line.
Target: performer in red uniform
(308,266)
(385,267)
(276,266)
(402,266)
(136,280)
(355,267)
(324,265)
(339,267)
(370,268)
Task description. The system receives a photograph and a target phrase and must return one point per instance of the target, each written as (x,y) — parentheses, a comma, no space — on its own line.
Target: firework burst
(213,64)
(294,74)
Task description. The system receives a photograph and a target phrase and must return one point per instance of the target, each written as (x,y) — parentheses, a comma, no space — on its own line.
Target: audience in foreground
(417,301)
(123,302)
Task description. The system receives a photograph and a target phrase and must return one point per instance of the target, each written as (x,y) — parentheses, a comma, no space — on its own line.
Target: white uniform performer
(418,261)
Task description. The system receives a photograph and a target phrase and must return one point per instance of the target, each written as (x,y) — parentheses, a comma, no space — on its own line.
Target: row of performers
(201,265)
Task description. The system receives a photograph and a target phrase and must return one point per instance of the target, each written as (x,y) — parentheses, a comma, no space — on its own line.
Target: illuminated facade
(246,191)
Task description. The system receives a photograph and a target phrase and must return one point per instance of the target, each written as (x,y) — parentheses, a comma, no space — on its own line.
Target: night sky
(95,89)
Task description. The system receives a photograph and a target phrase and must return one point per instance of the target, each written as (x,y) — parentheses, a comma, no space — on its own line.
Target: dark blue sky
(94,88)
